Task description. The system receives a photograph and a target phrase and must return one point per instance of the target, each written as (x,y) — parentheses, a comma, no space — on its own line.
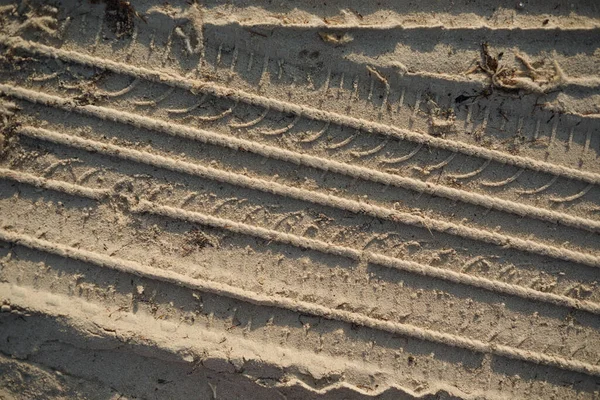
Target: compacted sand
(299,200)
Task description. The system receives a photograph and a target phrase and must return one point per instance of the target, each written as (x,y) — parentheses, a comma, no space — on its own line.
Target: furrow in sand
(358,172)
(55,185)
(459,26)
(196,86)
(224,290)
(317,245)
(528,246)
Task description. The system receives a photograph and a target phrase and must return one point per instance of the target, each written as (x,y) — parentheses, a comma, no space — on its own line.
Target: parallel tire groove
(320,246)
(324,164)
(528,246)
(211,88)
(131,267)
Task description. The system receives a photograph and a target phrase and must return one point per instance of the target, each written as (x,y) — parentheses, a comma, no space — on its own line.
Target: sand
(299,200)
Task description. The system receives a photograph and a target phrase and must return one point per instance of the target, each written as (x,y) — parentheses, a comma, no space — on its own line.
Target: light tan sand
(298,200)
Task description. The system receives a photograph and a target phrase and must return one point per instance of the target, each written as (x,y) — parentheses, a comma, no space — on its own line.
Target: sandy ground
(299,200)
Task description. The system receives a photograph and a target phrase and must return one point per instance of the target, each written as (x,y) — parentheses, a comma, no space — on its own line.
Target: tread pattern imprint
(328,200)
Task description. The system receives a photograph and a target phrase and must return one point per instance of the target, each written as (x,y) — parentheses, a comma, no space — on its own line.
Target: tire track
(173,33)
(352,154)
(201,345)
(309,224)
(503,272)
(144,206)
(235,95)
(281,177)
(358,34)
(242,351)
(357,297)
(313,197)
(247,205)
(298,306)
(326,165)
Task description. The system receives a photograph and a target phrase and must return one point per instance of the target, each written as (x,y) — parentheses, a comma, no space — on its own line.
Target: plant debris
(195,239)
(377,74)
(336,38)
(120,16)
(533,78)
(441,120)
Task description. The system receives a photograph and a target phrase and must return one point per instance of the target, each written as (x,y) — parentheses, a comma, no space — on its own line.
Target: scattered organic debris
(120,16)
(195,239)
(358,15)
(441,120)
(377,74)
(337,20)
(7,124)
(533,78)
(336,38)
(7,110)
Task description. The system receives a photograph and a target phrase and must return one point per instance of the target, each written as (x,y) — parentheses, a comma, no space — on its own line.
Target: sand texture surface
(299,200)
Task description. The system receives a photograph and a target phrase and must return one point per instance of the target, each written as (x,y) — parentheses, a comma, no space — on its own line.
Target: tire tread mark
(305,159)
(120,152)
(220,289)
(309,112)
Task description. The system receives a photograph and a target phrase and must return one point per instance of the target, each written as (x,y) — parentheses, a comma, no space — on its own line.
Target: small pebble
(5,308)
